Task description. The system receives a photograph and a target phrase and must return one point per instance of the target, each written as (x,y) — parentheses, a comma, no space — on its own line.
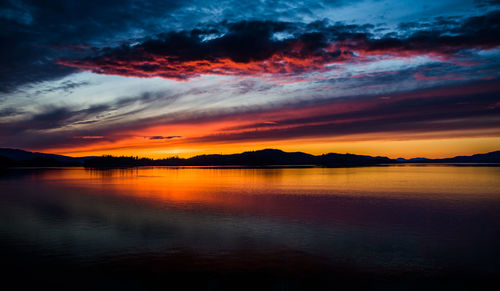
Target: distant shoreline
(267,158)
(257,167)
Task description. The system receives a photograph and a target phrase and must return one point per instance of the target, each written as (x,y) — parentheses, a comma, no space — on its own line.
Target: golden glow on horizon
(222,187)
(430,148)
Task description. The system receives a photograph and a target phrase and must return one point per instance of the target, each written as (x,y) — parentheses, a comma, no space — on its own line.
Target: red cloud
(250,48)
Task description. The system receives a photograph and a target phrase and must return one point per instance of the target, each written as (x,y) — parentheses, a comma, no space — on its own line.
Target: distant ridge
(265,157)
(20,158)
(491,157)
(279,157)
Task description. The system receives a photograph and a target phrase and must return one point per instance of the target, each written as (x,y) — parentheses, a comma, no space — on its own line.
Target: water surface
(393,227)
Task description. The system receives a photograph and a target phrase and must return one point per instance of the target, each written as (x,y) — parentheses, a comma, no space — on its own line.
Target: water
(394,227)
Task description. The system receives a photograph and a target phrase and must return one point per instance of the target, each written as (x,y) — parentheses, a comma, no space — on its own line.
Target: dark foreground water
(383,228)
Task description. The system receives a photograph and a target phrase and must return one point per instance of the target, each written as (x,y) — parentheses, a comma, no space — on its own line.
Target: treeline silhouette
(261,158)
(125,161)
(36,162)
(268,157)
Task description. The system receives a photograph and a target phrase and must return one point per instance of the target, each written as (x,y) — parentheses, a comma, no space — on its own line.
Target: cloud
(469,109)
(50,118)
(9,111)
(442,112)
(90,137)
(445,37)
(246,47)
(486,3)
(67,87)
(48,40)
(252,48)
(36,33)
(164,137)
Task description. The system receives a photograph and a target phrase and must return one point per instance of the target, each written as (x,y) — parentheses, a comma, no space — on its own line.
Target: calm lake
(395,227)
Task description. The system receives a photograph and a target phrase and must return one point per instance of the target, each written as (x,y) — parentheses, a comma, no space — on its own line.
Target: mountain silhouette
(492,157)
(266,157)
(20,158)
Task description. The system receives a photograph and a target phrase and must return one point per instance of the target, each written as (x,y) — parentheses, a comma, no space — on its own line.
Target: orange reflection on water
(229,185)
(351,195)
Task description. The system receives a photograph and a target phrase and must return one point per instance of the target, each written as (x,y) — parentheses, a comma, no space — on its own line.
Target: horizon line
(176,156)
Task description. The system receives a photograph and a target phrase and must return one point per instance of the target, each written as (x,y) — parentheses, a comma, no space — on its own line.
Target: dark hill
(493,157)
(267,157)
(254,158)
(20,158)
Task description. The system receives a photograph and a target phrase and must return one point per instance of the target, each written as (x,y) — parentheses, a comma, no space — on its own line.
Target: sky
(181,78)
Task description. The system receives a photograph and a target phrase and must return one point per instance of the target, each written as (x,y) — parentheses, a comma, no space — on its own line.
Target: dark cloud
(35,33)
(486,3)
(245,47)
(9,111)
(479,32)
(51,117)
(67,87)
(164,137)
(150,98)
(56,117)
(255,47)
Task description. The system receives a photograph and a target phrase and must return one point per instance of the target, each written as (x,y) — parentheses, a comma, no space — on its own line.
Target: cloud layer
(281,48)
(467,110)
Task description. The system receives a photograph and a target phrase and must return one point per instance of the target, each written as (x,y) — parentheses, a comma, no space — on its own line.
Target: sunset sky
(163,78)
